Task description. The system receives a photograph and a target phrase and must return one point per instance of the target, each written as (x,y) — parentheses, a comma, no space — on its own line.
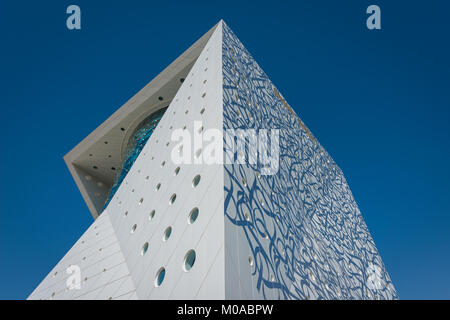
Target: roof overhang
(94,162)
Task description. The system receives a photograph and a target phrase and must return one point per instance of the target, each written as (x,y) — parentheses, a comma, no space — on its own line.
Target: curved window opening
(135,145)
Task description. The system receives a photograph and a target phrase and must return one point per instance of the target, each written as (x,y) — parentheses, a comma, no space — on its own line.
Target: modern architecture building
(256,209)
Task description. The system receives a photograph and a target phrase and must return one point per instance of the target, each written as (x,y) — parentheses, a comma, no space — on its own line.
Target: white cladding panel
(104,272)
(138,195)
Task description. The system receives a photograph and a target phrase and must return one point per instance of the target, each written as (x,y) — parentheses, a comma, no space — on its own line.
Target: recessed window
(152,215)
(186,112)
(144,248)
(140,201)
(160,275)
(196,181)
(133,229)
(125,214)
(163,164)
(172,198)
(158,186)
(202,111)
(193,215)
(250,261)
(189,260)
(177,170)
(167,234)
(203,95)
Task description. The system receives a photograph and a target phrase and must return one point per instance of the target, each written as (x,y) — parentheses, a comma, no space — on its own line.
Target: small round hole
(172,199)
(177,170)
(193,215)
(163,164)
(158,186)
(125,214)
(144,248)
(250,261)
(196,181)
(189,260)
(202,111)
(152,215)
(167,233)
(140,201)
(133,229)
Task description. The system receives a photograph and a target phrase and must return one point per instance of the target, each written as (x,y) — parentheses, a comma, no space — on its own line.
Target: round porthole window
(160,275)
(144,248)
(167,234)
(193,215)
(250,261)
(172,199)
(189,260)
(196,180)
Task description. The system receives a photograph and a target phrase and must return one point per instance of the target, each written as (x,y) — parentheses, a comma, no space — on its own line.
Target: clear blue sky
(378,101)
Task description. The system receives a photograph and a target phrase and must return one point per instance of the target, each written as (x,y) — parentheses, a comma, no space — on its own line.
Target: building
(256,209)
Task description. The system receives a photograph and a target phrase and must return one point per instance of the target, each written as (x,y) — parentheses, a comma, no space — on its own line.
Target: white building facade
(237,228)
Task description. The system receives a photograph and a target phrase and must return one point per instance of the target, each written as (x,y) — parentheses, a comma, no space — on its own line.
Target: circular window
(196,181)
(152,215)
(167,234)
(144,248)
(177,170)
(189,260)
(172,198)
(193,215)
(133,229)
(250,261)
(160,277)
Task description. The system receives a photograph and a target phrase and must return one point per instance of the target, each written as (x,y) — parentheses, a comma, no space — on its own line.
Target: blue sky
(378,101)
